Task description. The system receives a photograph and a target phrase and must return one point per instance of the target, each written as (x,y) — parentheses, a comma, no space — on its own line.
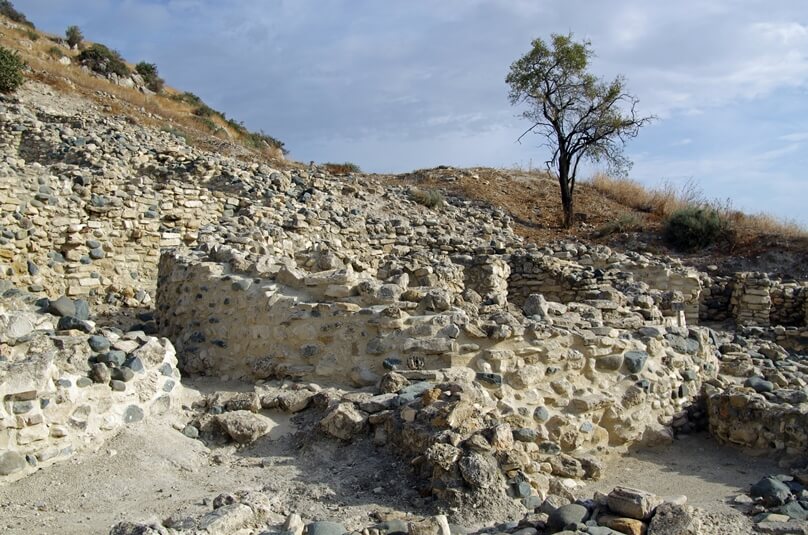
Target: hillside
(608,212)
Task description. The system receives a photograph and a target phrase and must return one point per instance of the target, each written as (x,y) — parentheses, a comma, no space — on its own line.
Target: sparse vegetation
(11,67)
(175,132)
(695,227)
(32,35)
(150,76)
(74,36)
(55,52)
(100,59)
(626,222)
(7,10)
(187,97)
(431,198)
(342,168)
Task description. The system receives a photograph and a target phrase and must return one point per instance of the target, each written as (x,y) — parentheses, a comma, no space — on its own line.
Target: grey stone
(63,306)
(759,384)
(671,519)
(11,462)
(771,490)
(479,469)
(566,515)
(117,385)
(69,323)
(635,360)
(98,343)
(99,373)
(133,414)
(324,528)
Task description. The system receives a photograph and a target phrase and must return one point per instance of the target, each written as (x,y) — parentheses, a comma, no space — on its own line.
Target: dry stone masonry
(503,372)
(67,386)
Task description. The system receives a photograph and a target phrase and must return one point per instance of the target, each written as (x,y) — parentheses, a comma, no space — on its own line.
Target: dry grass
(152,110)
(662,202)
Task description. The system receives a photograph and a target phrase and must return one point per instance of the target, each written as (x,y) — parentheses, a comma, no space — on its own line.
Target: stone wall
(751,301)
(575,370)
(595,272)
(62,390)
(747,419)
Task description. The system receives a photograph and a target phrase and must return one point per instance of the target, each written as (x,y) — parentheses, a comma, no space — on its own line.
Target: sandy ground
(152,471)
(710,475)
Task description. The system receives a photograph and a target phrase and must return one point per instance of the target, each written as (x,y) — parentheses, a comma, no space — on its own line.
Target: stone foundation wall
(788,304)
(74,222)
(751,301)
(53,402)
(582,382)
(714,303)
(747,419)
(567,281)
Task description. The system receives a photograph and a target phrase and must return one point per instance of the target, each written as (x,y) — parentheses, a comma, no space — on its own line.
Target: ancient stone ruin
(502,372)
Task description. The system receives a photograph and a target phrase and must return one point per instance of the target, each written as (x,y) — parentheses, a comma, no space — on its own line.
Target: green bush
(149,73)
(102,60)
(7,9)
(74,36)
(694,228)
(32,35)
(187,98)
(204,111)
(430,198)
(11,66)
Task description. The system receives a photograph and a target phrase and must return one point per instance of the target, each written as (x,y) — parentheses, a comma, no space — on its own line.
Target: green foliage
(74,36)
(206,121)
(187,98)
(149,73)
(342,168)
(430,198)
(102,60)
(7,9)
(203,110)
(261,140)
(11,66)
(580,116)
(693,228)
(32,35)
(627,222)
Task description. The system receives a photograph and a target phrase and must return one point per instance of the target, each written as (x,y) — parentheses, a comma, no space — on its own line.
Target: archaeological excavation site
(196,340)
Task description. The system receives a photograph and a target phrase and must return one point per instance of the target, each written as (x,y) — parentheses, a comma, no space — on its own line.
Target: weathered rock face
(63,390)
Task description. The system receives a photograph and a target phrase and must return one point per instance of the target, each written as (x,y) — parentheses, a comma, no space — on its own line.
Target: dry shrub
(342,168)
(669,200)
(431,198)
(661,202)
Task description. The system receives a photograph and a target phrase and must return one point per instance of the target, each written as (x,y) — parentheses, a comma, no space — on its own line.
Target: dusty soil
(709,474)
(152,471)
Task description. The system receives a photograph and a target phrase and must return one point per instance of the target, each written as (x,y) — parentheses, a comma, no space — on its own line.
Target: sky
(397,85)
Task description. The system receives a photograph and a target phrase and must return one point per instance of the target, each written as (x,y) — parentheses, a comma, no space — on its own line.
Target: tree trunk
(566,193)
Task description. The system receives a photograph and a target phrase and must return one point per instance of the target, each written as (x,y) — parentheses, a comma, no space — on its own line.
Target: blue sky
(395,85)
